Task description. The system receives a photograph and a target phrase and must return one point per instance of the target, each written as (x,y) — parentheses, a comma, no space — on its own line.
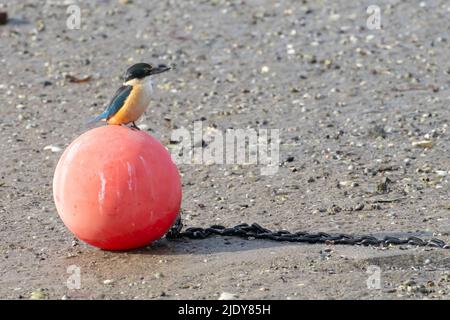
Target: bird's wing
(117,101)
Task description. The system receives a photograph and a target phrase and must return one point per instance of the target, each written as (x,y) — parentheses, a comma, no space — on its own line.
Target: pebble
(265,69)
(38,295)
(441,173)
(347,183)
(108,281)
(3,17)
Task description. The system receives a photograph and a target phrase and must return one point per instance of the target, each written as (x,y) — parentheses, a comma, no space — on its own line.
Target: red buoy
(117,188)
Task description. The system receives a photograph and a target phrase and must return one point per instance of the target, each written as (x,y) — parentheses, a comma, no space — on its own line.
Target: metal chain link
(255,231)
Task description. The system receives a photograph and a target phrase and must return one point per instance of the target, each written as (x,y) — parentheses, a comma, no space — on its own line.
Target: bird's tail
(98,118)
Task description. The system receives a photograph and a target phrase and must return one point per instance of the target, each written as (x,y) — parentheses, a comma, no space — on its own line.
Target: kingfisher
(133,97)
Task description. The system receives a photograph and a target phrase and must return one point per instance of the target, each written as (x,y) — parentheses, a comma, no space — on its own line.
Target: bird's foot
(134,126)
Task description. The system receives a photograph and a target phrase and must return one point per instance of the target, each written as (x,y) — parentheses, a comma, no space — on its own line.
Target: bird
(132,99)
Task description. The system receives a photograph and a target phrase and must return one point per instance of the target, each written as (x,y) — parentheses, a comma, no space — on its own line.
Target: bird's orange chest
(133,107)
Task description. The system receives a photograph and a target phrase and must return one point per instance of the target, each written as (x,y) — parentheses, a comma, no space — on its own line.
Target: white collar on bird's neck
(144,83)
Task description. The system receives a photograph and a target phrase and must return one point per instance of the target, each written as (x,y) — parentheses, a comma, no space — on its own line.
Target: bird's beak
(160,69)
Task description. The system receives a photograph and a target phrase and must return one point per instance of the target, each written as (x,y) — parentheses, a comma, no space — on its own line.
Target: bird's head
(142,70)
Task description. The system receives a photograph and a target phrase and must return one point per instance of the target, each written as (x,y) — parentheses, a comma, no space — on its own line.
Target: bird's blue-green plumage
(116,103)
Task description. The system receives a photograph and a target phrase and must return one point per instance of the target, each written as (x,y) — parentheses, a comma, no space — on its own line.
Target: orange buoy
(117,188)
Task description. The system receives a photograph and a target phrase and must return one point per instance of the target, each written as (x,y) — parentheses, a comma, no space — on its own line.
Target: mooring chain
(255,231)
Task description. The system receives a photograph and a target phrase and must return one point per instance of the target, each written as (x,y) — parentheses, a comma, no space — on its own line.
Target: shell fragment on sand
(227,296)
(423,144)
(53,148)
